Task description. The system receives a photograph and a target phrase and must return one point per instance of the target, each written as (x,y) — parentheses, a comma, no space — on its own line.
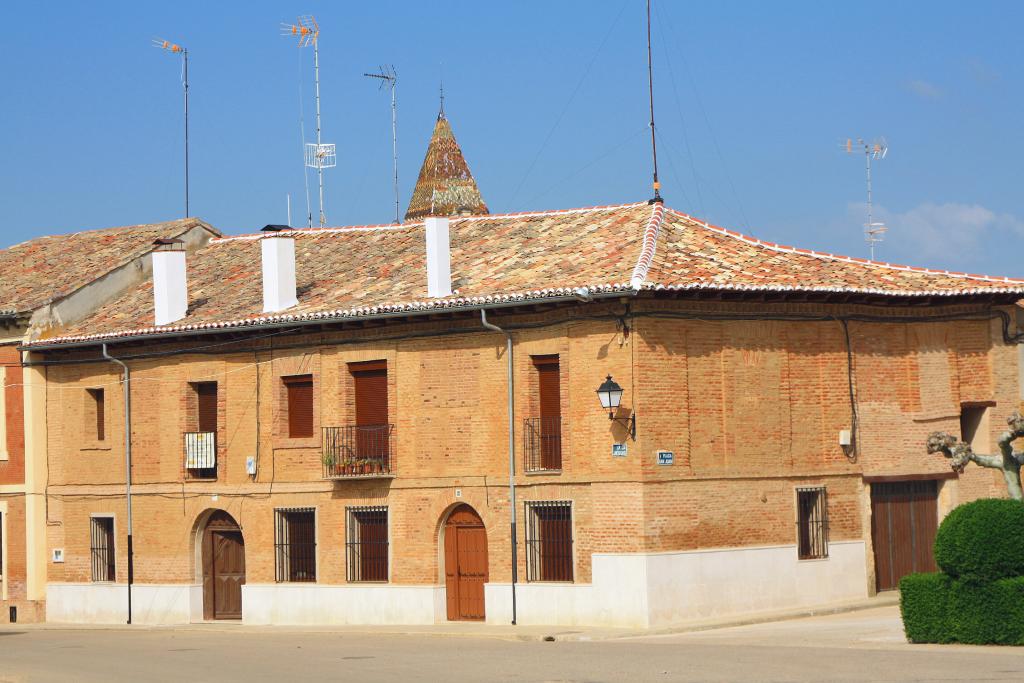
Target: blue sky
(547,99)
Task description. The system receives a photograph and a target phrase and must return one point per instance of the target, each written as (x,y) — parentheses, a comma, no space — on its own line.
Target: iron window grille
(812,523)
(366,544)
(295,545)
(101,548)
(543,444)
(549,553)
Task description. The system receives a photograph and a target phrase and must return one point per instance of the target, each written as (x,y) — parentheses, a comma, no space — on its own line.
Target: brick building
(320,424)
(46,284)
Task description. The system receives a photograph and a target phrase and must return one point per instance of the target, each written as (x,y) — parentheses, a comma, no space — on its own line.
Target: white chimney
(278,254)
(170,289)
(439,258)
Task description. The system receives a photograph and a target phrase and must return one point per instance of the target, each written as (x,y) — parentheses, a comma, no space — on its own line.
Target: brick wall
(751,409)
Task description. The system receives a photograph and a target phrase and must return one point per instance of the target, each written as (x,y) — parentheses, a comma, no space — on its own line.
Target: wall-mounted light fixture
(610,394)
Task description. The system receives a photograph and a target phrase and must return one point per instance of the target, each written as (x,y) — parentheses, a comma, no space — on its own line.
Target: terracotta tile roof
(445,186)
(375,270)
(42,270)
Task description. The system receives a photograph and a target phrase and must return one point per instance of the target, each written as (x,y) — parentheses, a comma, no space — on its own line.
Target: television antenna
(874,231)
(179,50)
(318,155)
(389,77)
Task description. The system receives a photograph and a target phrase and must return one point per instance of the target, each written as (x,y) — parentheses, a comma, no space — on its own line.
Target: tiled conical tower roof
(445,186)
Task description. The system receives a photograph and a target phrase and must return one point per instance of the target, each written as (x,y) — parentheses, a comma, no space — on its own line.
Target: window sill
(812,559)
(95,446)
(534,473)
(367,583)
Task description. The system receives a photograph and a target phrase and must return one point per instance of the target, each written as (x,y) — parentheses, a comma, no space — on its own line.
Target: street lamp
(610,394)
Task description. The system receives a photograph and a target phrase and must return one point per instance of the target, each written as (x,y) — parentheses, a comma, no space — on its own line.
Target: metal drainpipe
(511,453)
(127,468)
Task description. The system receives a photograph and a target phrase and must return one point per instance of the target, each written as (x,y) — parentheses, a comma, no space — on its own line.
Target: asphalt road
(863,646)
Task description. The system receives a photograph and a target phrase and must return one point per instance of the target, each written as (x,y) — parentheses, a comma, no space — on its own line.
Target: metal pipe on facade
(511,452)
(127,468)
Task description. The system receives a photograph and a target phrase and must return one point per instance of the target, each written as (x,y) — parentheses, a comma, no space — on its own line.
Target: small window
(102,548)
(201,445)
(549,541)
(974,427)
(96,414)
(812,523)
(367,544)
(300,405)
(295,544)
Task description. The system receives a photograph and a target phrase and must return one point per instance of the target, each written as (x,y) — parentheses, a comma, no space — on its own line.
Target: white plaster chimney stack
(439,258)
(278,253)
(170,289)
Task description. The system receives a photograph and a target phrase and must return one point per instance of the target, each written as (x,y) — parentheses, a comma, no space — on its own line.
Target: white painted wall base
(315,604)
(657,589)
(628,591)
(107,603)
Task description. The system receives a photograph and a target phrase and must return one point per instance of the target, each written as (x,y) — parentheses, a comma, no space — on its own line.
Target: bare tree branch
(1008,462)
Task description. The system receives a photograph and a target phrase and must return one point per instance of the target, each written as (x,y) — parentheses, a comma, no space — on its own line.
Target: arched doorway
(465,564)
(223,554)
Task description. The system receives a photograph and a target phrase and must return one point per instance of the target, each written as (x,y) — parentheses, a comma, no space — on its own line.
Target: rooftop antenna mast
(874,231)
(179,50)
(389,77)
(318,155)
(650,87)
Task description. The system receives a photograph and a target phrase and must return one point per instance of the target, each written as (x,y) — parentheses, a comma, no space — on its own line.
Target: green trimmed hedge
(924,599)
(938,609)
(982,541)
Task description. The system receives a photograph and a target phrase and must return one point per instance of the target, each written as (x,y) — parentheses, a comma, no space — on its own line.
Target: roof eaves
(363,312)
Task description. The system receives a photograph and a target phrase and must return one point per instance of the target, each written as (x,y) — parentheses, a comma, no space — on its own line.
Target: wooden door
(465,563)
(904,519)
(223,568)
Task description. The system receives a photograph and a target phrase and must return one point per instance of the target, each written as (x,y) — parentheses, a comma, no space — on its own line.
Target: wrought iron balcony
(543,444)
(200,455)
(358,451)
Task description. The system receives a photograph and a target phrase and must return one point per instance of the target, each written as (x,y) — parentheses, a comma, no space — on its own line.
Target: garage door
(904,518)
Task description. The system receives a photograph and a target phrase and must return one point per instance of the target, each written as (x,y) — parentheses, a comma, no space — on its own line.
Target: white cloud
(949,232)
(921,88)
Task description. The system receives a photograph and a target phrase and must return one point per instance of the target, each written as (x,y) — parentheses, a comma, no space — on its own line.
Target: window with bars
(295,544)
(299,390)
(96,414)
(812,523)
(549,541)
(366,544)
(101,548)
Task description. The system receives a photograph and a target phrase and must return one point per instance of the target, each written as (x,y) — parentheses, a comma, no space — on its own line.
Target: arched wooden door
(465,564)
(223,567)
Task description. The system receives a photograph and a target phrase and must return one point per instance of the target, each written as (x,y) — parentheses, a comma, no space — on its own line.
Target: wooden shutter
(549,385)
(206,398)
(555,527)
(550,399)
(300,405)
(371,389)
(373,545)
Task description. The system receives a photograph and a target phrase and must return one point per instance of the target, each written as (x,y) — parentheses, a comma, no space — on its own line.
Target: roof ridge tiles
(301,232)
(838,257)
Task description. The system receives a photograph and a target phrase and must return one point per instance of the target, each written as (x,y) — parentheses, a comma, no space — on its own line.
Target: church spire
(445,186)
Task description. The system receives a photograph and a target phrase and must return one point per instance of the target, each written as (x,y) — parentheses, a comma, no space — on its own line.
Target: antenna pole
(871,241)
(289,196)
(319,167)
(394,141)
(184,54)
(873,231)
(650,87)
